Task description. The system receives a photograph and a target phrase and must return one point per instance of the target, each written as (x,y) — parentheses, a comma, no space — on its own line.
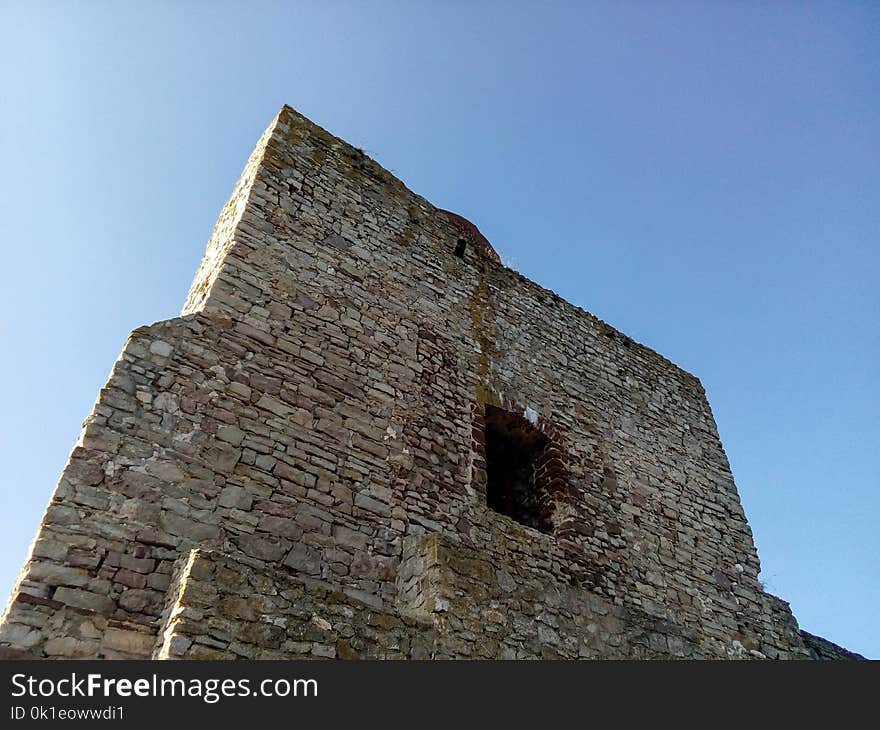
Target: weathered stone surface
(136,643)
(84,599)
(263,548)
(305,463)
(282,617)
(236,497)
(304,559)
(160,348)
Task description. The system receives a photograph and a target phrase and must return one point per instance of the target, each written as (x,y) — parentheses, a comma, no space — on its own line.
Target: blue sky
(703,176)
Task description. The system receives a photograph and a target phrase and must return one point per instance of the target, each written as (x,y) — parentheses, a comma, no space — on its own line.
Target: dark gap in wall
(515,452)
(460,247)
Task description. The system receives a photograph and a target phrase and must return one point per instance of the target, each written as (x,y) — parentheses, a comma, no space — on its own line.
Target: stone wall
(222,608)
(317,414)
(823,649)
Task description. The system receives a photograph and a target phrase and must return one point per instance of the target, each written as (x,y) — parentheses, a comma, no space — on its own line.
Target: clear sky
(703,176)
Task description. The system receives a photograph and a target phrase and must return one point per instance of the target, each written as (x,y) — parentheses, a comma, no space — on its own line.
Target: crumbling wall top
(471,233)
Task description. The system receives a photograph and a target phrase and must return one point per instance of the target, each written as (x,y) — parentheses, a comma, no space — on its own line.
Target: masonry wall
(316,416)
(221,608)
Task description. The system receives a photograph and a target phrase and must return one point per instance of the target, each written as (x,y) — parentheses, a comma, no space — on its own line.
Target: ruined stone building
(366,437)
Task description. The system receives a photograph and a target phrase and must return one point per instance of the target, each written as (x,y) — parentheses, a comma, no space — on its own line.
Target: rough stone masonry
(364,437)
